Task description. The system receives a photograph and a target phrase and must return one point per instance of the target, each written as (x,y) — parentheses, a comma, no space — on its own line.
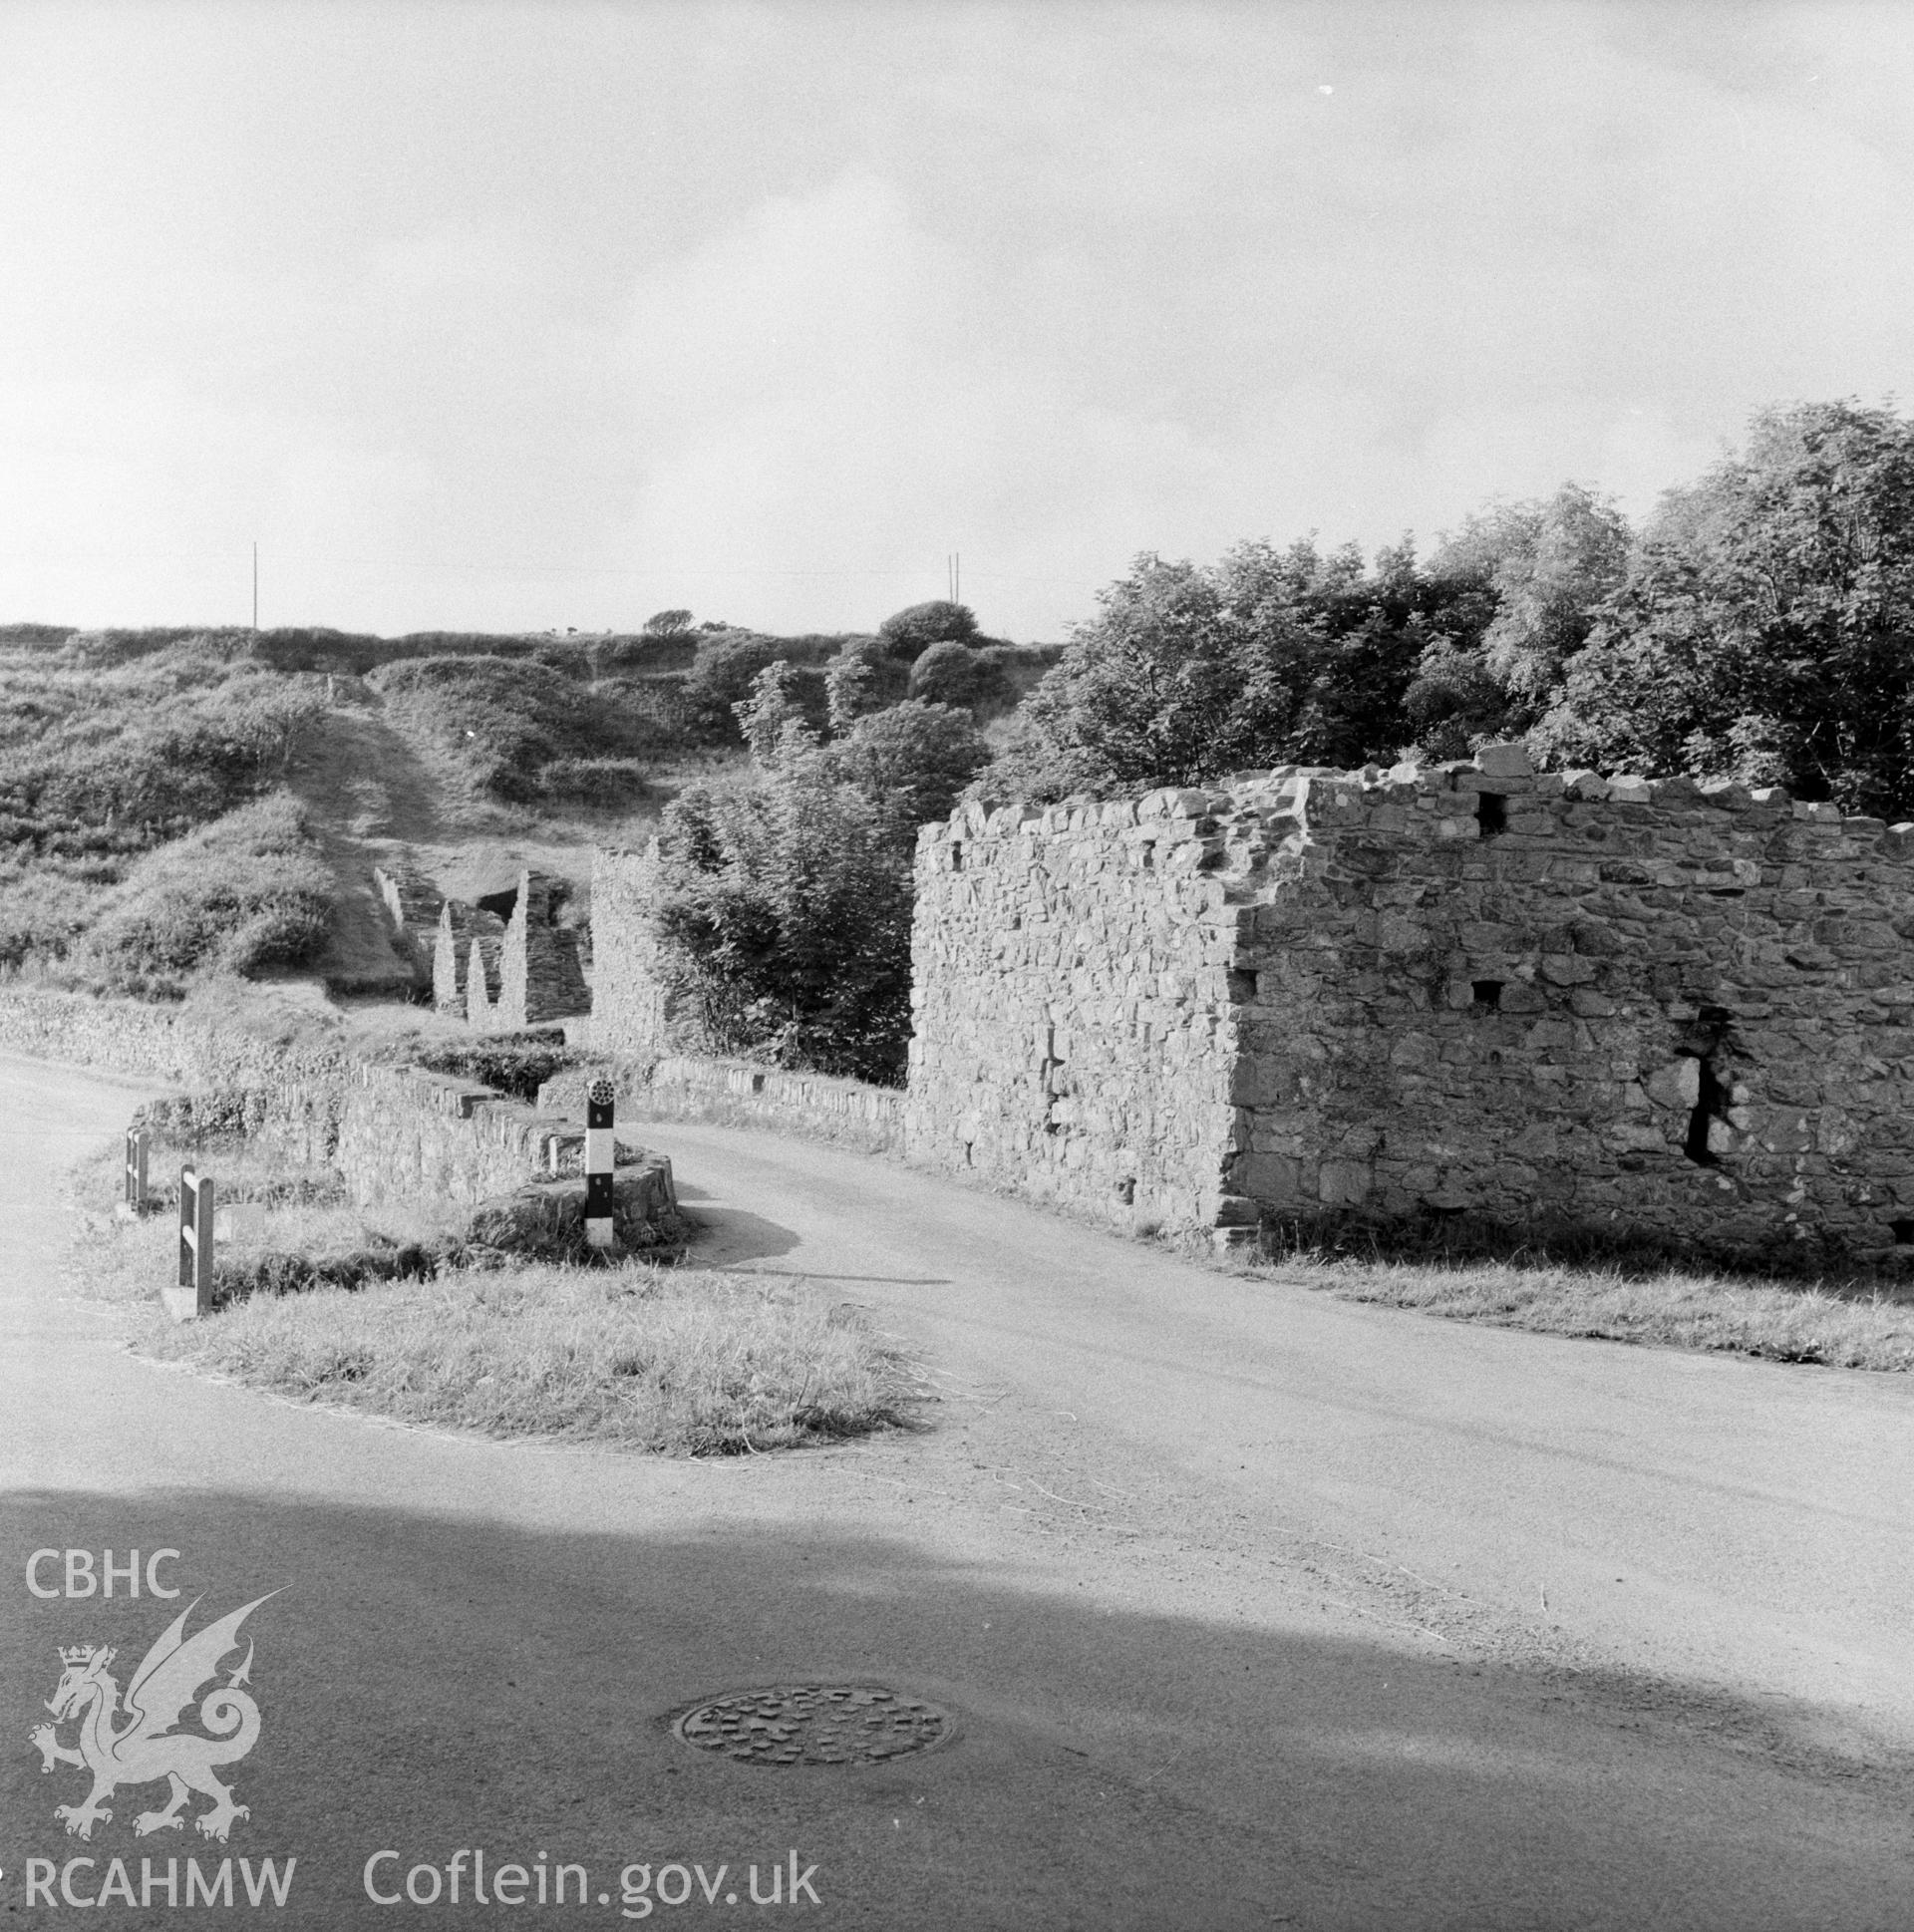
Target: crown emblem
(84,1654)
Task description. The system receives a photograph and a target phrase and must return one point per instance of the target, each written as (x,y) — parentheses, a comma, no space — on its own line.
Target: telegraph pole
(255,584)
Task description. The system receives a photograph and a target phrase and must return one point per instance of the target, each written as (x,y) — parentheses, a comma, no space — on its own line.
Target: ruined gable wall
(1623,1007)
(539,975)
(1071,1033)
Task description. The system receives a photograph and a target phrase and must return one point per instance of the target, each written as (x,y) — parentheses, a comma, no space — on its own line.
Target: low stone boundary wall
(177,1044)
(686,1087)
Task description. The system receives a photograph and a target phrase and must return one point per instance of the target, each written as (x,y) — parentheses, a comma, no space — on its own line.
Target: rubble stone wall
(1559,1001)
(540,977)
(631,1009)
(1073,1035)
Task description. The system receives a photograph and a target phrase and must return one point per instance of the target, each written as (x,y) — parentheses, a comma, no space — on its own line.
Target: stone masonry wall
(1073,1032)
(540,974)
(1552,1002)
(630,1008)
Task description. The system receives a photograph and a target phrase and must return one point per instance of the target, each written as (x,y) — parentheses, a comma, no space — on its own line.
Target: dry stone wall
(1618,1006)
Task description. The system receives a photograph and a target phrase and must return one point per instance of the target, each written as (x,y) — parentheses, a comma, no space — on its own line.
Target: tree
(911,760)
(916,628)
(1765,627)
(667,623)
(1271,656)
(1523,582)
(785,919)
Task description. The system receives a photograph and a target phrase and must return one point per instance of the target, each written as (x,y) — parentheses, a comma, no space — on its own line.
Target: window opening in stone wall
(1491,814)
(1242,986)
(1711,1096)
(956,857)
(1702,1116)
(1488,994)
(1903,1231)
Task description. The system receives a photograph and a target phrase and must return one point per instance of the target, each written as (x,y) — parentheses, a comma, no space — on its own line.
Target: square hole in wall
(1491,814)
(1488,994)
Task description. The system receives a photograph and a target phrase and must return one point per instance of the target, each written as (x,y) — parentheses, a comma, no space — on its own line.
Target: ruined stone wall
(1622,1007)
(483,947)
(631,1008)
(412,905)
(1073,1037)
(540,974)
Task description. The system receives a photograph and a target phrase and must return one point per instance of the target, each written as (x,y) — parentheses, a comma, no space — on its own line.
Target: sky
(556,315)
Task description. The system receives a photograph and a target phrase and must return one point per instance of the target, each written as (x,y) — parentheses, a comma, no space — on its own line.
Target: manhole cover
(814,1724)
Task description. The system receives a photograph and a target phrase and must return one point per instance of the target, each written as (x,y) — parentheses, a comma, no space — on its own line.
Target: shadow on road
(429,1682)
(723,1236)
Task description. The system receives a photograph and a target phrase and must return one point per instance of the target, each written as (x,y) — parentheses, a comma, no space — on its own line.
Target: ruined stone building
(1556,1002)
(505,962)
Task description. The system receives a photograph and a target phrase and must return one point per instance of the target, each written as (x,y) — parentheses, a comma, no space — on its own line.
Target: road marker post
(191,1295)
(137,1144)
(601,1156)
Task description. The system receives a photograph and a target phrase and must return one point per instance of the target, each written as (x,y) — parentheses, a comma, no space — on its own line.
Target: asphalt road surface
(1251,1608)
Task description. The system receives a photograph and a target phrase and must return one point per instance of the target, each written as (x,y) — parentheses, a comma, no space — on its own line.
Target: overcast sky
(537,315)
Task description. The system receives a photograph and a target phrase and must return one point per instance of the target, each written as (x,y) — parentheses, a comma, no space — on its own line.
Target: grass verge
(1835,1325)
(677,1363)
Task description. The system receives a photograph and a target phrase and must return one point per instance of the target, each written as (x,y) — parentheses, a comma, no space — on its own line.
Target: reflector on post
(600,1156)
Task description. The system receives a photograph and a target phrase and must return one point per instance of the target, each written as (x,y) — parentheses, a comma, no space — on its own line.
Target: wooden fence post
(191,1295)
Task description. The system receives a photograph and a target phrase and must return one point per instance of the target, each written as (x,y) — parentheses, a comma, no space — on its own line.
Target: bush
(785,919)
(958,675)
(248,891)
(515,1062)
(913,630)
(502,720)
(911,762)
(604,783)
(721,674)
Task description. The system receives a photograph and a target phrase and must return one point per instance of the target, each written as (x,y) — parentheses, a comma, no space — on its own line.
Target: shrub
(911,762)
(248,891)
(785,918)
(721,676)
(604,783)
(959,675)
(913,630)
(861,677)
(515,1062)
(502,720)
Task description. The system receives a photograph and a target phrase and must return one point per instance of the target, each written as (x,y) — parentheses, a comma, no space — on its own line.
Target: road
(1253,1608)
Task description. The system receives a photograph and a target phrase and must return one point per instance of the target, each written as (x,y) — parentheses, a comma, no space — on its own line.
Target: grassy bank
(668,1361)
(672,1361)
(1836,1325)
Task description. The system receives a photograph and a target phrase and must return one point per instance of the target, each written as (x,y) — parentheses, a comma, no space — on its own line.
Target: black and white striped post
(191,1296)
(600,1155)
(137,1144)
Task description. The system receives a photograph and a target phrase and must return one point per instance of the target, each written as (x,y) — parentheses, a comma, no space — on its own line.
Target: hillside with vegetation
(181,804)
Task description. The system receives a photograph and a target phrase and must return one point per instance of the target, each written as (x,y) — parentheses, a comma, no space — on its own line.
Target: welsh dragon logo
(135,1743)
